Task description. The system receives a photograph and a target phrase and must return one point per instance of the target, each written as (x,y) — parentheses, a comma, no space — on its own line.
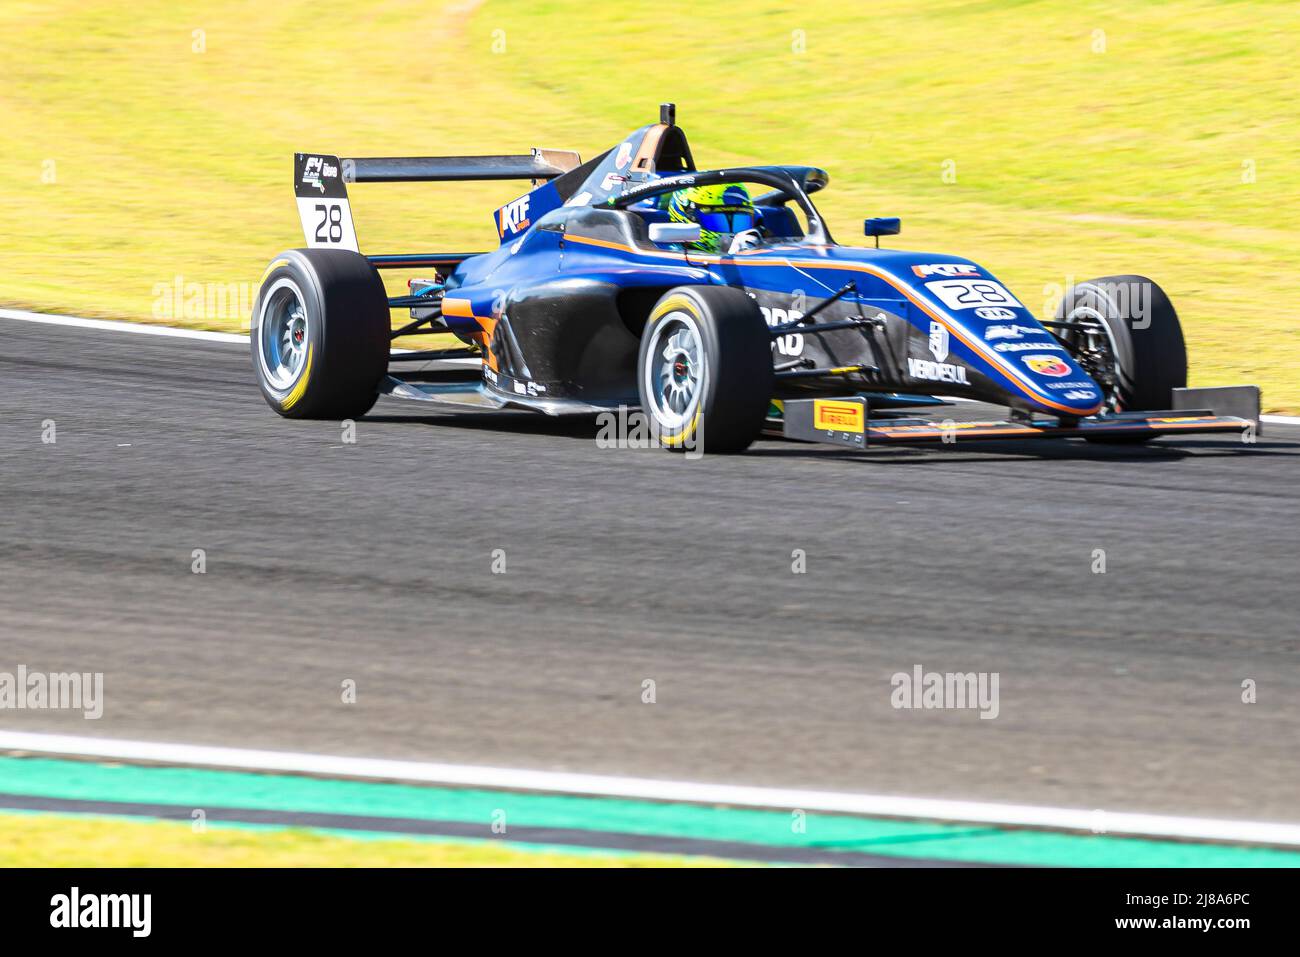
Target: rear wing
(539,164)
(319,183)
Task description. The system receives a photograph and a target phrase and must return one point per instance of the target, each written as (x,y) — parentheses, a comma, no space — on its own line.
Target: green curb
(197,788)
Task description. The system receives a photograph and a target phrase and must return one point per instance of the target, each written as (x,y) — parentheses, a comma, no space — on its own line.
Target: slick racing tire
(704,371)
(319,334)
(1142,336)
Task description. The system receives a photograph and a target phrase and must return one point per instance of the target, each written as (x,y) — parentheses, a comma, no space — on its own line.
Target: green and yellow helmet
(725,208)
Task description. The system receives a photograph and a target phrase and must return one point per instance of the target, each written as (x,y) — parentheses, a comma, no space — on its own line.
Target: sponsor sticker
(1014,332)
(994,312)
(624,155)
(1075,394)
(1010,332)
(838,416)
(1060,386)
(1053,366)
(788,345)
(946,269)
(317,169)
(936,371)
(311,173)
(938,341)
(513,216)
(685,179)
(1027,347)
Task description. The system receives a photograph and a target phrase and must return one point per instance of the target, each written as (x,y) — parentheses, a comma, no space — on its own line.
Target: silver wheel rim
(674,371)
(283,334)
(1093,315)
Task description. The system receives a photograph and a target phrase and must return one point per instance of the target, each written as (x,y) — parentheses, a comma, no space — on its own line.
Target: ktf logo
(513,217)
(946,269)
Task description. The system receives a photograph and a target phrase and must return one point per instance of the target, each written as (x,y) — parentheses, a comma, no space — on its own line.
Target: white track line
(598,785)
(111,325)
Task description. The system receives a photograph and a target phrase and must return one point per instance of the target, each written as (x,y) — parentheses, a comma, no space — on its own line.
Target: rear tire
(1143,335)
(704,371)
(319,334)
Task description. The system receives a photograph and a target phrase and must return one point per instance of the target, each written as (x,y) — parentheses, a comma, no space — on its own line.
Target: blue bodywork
(557,306)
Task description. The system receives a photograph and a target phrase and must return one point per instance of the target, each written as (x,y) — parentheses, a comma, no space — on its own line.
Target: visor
(726,220)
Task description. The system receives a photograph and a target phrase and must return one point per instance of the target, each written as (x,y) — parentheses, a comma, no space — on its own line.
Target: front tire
(1144,334)
(1138,356)
(704,371)
(319,334)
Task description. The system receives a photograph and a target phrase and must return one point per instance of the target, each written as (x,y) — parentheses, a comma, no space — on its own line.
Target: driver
(722,209)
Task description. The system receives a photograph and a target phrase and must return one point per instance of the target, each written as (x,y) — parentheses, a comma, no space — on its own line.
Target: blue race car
(715,301)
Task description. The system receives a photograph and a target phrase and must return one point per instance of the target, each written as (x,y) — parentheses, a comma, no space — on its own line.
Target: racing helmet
(724,208)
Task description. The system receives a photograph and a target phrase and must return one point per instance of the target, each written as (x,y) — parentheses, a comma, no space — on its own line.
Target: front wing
(848,422)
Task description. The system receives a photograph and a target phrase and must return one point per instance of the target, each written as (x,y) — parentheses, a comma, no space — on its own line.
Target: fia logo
(514,216)
(938,341)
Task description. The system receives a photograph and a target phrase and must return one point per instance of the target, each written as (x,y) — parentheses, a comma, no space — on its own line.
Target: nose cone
(1062,383)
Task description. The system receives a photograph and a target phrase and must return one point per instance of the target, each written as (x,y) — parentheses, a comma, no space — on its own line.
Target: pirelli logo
(838,416)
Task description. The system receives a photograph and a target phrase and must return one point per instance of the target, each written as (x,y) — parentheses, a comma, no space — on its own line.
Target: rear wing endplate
(319,183)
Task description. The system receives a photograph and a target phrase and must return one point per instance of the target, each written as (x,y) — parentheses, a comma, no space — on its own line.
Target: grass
(1087,138)
(55,840)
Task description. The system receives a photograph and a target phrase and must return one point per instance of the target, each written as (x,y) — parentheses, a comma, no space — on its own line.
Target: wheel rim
(283,334)
(1096,353)
(674,371)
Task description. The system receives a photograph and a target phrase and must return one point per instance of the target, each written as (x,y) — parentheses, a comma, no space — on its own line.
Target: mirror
(883,226)
(674,232)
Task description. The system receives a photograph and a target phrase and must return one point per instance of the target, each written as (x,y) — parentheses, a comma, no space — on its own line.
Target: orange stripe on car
(464,309)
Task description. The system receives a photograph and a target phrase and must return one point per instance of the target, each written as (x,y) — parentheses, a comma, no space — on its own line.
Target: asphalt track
(371,562)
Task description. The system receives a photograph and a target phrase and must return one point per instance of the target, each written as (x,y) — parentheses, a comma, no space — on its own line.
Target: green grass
(64,840)
(69,840)
(1069,161)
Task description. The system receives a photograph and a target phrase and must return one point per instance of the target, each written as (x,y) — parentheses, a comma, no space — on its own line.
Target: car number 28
(969,293)
(327,222)
(329,227)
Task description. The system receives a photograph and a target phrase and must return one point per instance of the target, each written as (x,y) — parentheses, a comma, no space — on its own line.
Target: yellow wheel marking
(272,268)
(684,434)
(676,302)
(665,307)
(296,393)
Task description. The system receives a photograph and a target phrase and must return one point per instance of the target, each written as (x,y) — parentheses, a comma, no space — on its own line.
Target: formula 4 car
(600,296)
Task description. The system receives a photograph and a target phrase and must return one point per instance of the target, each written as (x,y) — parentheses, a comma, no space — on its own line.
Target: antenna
(668,114)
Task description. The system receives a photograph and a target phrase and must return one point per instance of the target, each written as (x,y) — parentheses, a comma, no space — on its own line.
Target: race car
(714,301)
